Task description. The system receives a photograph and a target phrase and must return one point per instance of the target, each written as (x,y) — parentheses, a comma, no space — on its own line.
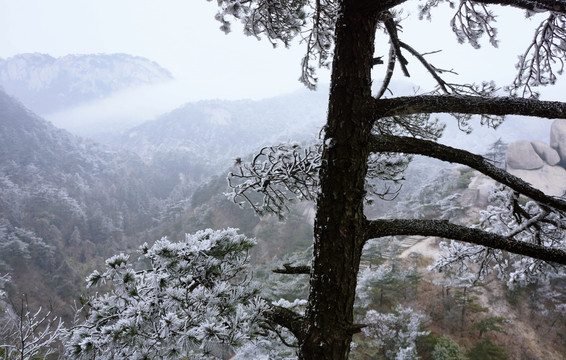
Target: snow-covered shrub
(395,334)
(192,298)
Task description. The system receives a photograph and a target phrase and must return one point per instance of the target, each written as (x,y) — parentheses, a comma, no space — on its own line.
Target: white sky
(182,36)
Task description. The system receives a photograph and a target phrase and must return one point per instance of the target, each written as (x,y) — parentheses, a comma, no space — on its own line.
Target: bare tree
(362,126)
(27,334)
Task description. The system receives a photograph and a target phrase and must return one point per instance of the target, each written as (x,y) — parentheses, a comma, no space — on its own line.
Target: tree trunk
(340,224)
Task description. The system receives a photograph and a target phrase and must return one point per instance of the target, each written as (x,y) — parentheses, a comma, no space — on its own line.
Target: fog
(183,37)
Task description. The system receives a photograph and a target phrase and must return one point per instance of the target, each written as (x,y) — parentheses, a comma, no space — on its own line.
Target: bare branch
(410,145)
(431,69)
(389,74)
(290,269)
(391,27)
(447,230)
(467,104)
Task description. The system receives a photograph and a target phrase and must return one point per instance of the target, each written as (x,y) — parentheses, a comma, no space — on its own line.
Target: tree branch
(376,7)
(431,69)
(391,27)
(389,74)
(289,319)
(290,269)
(409,145)
(558,6)
(467,104)
(447,230)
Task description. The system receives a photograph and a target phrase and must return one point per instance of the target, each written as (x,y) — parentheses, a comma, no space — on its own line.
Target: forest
(208,233)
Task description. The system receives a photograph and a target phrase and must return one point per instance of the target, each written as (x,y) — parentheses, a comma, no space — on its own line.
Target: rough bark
(340,222)
(447,230)
(288,319)
(467,104)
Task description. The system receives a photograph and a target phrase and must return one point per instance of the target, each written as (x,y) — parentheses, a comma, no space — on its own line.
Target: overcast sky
(182,36)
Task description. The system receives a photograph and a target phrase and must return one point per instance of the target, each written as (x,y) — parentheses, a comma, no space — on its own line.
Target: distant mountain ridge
(215,132)
(47,84)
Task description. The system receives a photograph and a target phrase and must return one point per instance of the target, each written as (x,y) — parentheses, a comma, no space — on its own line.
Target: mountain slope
(65,204)
(214,132)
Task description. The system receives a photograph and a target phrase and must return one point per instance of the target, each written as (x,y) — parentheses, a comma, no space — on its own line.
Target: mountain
(213,133)
(46,84)
(66,204)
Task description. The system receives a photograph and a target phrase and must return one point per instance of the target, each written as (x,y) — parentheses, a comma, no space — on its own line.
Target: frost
(194,298)
(542,61)
(395,332)
(506,215)
(289,305)
(27,334)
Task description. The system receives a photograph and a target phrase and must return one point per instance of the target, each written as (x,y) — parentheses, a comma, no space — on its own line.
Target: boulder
(522,155)
(549,179)
(548,154)
(558,138)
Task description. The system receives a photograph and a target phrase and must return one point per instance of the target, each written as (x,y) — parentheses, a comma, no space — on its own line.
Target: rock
(482,184)
(522,155)
(548,154)
(549,179)
(558,138)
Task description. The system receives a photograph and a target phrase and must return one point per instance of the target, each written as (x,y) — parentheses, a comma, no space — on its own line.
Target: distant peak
(45,83)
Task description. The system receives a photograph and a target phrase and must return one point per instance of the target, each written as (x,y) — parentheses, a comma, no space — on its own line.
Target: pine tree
(365,130)
(192,298)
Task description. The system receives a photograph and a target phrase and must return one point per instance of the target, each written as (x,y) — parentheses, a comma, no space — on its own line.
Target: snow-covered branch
(557,6)
(281,173)
(525,222)
(194,300)
(543,59)
(395,333)
(285,173)
(27,334)
(447,230)
(410,145)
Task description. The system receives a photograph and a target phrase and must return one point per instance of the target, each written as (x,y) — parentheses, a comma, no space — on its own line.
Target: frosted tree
(496,153)
(508,215)
(26,334)
(347,36)
(4,279)
(395,333)
(187,299)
